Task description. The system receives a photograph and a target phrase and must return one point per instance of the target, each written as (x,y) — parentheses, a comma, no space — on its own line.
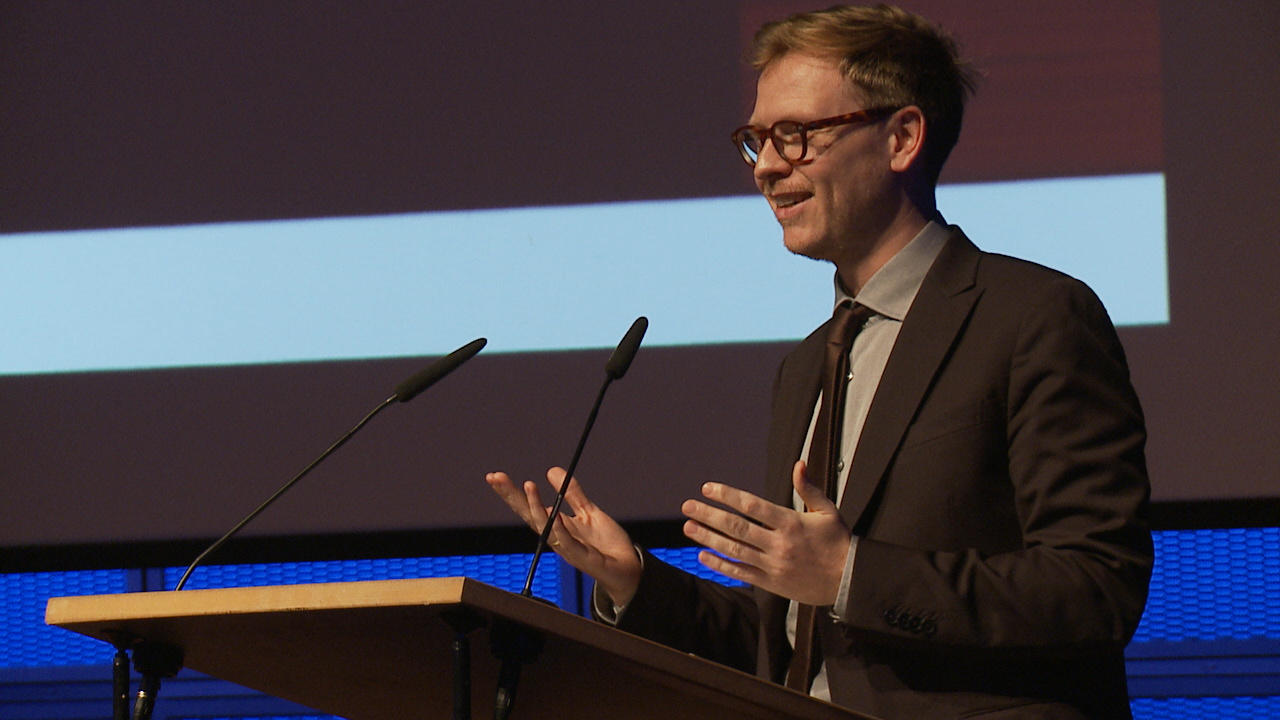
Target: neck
(855,272)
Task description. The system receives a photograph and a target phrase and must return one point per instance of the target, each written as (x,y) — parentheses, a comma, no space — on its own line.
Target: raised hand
(584,535)
(798,555)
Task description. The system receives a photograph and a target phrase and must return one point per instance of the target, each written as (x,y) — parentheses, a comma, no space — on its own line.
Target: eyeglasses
(791,138)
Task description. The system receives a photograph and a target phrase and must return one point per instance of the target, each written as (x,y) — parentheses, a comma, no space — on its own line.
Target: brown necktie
(824,455)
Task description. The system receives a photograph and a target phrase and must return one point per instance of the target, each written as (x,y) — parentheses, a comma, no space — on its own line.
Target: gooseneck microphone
(516,646)
(617,366)
(405,391)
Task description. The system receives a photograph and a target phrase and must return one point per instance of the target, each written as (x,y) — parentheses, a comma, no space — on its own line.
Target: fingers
(768,514)
(798,555)
(562,539)
(585,536)
(556,476)
(518,499)
(731,546)
(736,570)
(526,501)
(574,496)
(733,534)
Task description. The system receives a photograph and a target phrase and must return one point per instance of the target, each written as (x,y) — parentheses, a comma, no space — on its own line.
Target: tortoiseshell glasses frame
(791,138)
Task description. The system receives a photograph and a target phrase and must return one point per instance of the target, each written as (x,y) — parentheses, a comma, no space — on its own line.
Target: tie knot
(846,321)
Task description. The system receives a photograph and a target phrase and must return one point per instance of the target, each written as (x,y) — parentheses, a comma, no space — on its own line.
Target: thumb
(815,498)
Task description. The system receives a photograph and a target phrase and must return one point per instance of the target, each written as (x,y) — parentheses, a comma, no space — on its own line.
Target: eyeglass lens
(788,141)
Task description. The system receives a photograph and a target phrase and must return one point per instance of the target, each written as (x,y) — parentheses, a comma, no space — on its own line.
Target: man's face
(835,204)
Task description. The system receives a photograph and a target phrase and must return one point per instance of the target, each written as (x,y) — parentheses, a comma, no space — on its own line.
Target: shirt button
(840,466)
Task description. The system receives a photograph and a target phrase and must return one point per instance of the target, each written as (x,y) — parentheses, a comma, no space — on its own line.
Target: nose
(770,163)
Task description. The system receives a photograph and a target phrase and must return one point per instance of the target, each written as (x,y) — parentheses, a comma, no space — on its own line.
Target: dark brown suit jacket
(999,492)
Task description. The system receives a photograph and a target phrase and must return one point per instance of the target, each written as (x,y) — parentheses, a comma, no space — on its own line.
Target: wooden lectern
(382,650)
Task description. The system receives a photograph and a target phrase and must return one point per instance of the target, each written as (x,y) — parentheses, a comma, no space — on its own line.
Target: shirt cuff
(605,611)
(840,610)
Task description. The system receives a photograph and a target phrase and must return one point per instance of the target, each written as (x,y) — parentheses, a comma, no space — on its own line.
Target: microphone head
(436,371)
(626,350)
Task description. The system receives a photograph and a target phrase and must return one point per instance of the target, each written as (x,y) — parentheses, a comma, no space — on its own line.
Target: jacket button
(891,617)
(929,628)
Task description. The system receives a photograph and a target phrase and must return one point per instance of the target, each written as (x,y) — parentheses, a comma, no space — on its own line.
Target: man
(986,551)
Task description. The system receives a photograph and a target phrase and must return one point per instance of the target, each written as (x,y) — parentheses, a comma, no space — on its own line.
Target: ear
(907,130)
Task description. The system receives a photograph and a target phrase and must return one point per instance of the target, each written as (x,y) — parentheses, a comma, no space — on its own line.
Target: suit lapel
(928,332)
(797,394)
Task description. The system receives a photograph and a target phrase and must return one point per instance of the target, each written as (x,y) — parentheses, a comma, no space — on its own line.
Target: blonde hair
(894,57)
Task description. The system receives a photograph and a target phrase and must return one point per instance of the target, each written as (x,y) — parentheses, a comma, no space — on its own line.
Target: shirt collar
(893,287)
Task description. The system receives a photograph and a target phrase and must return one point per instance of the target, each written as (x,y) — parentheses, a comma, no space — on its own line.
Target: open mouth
(788,201)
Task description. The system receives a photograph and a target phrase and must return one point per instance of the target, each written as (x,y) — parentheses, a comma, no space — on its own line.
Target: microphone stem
(545,536)
(332,448)
(120,685)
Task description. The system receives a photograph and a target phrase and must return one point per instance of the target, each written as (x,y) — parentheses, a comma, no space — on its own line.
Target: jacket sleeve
(693,615)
